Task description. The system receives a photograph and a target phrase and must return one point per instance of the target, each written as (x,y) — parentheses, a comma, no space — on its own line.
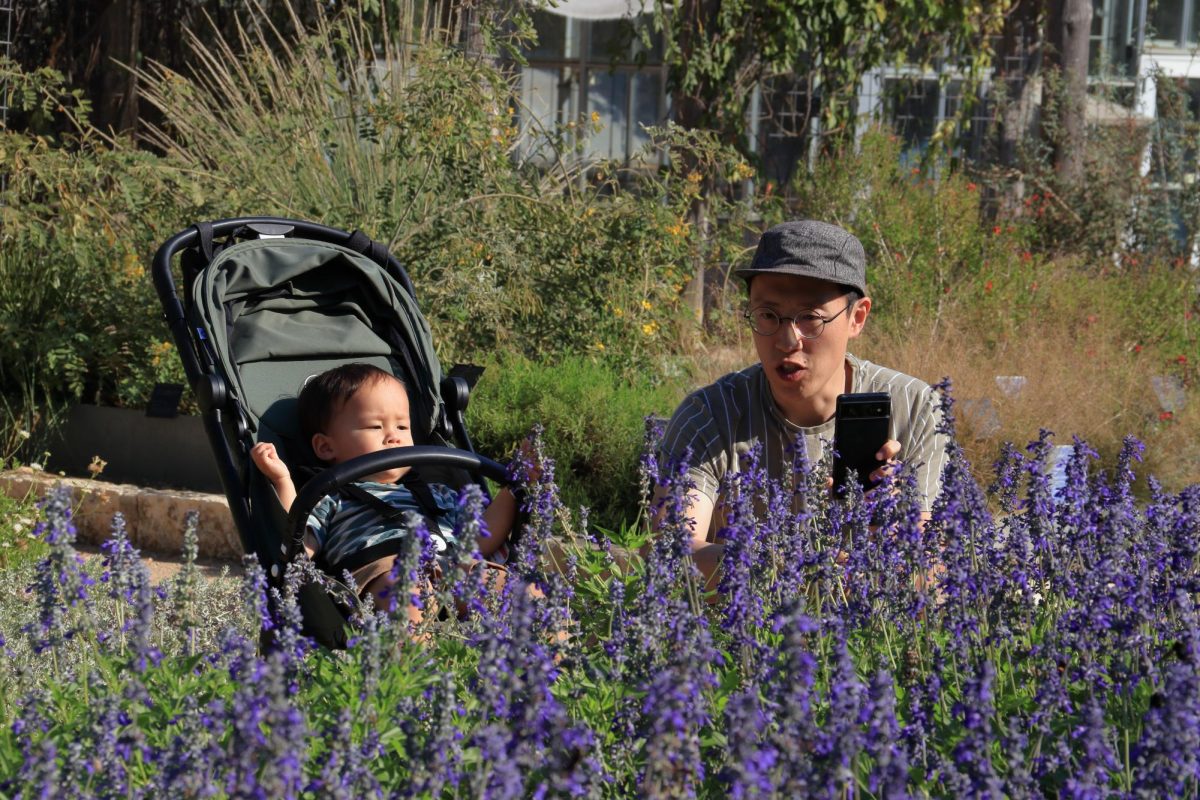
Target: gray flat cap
(813,249)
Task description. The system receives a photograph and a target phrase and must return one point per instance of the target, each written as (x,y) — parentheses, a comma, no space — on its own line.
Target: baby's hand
(269,462)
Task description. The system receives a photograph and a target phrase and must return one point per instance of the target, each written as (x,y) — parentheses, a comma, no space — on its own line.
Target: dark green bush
(594,423)
(79,220)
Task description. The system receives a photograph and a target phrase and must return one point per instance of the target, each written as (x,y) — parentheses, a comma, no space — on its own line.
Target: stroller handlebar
(331,480)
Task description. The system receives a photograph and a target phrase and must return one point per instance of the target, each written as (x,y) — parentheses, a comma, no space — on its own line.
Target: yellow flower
(679,230)
(158,352)
(618,312)
(650,328)
(646,304)
(595,117)
(598,346)
(694,177)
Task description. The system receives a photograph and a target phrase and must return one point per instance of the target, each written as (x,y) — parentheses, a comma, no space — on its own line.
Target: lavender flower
(1166,759)
(346,765)
(1097,757)
(743,606)
(129,586)
(61,583)
(972,772)
(883,743)
(751,760)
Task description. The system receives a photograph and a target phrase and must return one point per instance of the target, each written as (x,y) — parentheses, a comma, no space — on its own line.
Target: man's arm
(698,512)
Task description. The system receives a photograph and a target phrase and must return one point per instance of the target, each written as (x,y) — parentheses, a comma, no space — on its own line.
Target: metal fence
(6,27)
(6,15)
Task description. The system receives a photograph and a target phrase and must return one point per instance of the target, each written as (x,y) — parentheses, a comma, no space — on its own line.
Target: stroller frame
(230,435)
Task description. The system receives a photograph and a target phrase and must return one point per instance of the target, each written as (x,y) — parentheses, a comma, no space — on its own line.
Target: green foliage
(18,545)
(505,255)
(594,423)
(79,218)
(930,251)
(717,52)
(956,293)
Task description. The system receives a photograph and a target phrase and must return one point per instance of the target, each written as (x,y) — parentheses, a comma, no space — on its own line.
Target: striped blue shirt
(344,526)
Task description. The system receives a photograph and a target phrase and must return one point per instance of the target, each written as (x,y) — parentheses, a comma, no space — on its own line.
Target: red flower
(1181,359)
(971,187)
(1165,416)
(1137,348)
(987,287)
(1026,256)
(996,230)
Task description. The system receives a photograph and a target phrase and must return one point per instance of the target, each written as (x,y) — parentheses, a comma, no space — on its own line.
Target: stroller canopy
(280,310)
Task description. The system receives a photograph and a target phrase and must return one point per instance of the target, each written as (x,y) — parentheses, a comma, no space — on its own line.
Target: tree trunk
(1069,26)
(116,105)
(691,112)
(1017,63)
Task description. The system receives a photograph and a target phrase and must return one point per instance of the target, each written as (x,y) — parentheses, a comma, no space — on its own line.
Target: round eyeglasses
(808,324)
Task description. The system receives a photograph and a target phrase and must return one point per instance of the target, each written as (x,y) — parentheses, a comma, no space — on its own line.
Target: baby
(350,411)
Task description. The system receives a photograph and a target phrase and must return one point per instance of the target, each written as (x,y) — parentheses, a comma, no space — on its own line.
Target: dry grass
(1080,380)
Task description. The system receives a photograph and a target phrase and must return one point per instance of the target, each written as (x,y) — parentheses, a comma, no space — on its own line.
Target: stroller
(266,303)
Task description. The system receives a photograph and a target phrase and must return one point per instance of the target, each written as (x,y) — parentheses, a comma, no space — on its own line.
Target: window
(581,68)
(1173,22)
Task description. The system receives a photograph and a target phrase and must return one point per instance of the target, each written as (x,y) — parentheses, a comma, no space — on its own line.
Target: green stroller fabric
(280,310)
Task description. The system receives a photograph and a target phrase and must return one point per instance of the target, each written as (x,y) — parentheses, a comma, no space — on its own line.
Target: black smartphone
(860,428)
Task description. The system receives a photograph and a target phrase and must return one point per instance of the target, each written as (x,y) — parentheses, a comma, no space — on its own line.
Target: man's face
(805,375)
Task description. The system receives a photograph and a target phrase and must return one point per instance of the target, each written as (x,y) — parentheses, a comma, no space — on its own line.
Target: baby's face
(374,418)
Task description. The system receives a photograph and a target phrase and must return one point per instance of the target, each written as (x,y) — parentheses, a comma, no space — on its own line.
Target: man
(807,298)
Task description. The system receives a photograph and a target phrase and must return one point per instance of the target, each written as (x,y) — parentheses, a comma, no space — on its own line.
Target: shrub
(505,253)
(79,219)
(929,252)
(505,256)
(593,420)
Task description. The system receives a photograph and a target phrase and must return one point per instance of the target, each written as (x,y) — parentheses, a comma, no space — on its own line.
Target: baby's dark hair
(324,393)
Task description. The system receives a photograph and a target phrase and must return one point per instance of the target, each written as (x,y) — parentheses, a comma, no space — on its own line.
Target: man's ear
(858,315)
(322,447)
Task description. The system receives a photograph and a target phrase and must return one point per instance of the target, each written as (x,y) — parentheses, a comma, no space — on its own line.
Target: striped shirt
(344,526)
(720,422)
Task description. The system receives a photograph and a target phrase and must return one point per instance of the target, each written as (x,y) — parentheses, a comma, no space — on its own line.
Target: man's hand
(887,454)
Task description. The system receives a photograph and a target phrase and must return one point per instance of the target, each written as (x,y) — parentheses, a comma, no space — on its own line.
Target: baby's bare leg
(383,590)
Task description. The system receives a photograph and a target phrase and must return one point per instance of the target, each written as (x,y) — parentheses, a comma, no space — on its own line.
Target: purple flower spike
(61,584)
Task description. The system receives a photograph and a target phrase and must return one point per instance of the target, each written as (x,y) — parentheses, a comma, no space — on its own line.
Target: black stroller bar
(329,481)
